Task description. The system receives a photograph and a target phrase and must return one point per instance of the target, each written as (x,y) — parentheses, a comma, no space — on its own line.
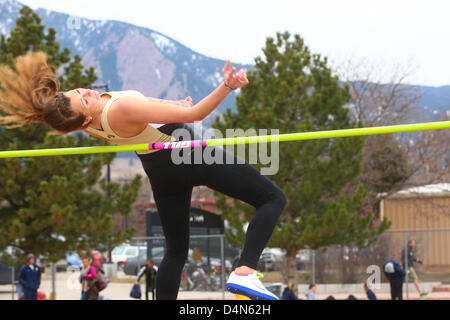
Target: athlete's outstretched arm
(184,103)
(137,110)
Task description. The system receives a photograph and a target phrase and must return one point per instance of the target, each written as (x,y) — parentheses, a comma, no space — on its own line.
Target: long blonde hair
(291,286)
(30,94)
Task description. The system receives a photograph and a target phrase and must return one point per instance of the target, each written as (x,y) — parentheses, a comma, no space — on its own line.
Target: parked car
(275,287)
(303,259)
(271,259)
(73,262)
(97,257)
(5,269)
(61,265)
(125,252)
(5,272)
(132,265)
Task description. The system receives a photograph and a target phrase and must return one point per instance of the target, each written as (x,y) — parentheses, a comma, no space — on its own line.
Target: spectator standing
(197,255)
(88,275)
(149,270)
(288,293)
(30,278)
(396,275)
(311,293)
(412,274)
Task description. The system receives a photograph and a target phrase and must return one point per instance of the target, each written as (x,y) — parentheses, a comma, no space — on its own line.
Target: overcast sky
(411,31)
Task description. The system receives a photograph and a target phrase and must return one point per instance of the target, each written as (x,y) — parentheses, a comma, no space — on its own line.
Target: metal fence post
(12,281)
(139,257)
(405,262)
(53,281)
(313,266)
(222,257)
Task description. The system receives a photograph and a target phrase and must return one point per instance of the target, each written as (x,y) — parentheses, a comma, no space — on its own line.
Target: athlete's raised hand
(232,80)
(186,102)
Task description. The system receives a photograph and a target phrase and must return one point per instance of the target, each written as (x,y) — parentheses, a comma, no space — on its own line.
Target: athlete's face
(84,101)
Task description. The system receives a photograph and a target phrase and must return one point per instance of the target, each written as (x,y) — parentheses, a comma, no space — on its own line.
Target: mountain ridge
(126,56)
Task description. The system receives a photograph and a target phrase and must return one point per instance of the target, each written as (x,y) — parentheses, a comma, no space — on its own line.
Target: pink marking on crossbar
(161,145)
(196,143)
(243,273)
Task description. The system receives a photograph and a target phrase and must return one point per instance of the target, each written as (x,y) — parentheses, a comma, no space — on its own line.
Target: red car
(97,258)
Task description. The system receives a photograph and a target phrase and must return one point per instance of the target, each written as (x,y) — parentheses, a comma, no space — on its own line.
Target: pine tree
(294,90)
(51,205)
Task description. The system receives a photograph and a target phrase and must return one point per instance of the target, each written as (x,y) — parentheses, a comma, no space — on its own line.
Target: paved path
(68,288)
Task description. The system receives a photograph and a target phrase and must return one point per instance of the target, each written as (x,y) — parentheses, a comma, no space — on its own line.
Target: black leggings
(172,188)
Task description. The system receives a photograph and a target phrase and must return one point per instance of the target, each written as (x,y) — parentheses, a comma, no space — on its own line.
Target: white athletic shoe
(249,285)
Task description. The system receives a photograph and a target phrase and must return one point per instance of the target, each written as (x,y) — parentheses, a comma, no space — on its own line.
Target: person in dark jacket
(149,270)
(30,278)
(396,275)
(370,294)
(288,293)
(411,271)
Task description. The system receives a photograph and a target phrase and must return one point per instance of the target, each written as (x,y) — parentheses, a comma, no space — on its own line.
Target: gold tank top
(149,135)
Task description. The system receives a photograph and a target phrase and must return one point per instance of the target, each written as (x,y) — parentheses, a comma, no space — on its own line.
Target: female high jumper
(30,93)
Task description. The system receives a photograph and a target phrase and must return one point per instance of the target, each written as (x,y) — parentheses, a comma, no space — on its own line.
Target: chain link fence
(344,265)
(209,261)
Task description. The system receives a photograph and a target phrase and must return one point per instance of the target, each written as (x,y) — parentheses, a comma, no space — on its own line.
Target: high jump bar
(298,136)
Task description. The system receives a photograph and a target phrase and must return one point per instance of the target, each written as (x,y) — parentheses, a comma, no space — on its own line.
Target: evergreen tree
(386,164)
(51,205)
(294,90)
